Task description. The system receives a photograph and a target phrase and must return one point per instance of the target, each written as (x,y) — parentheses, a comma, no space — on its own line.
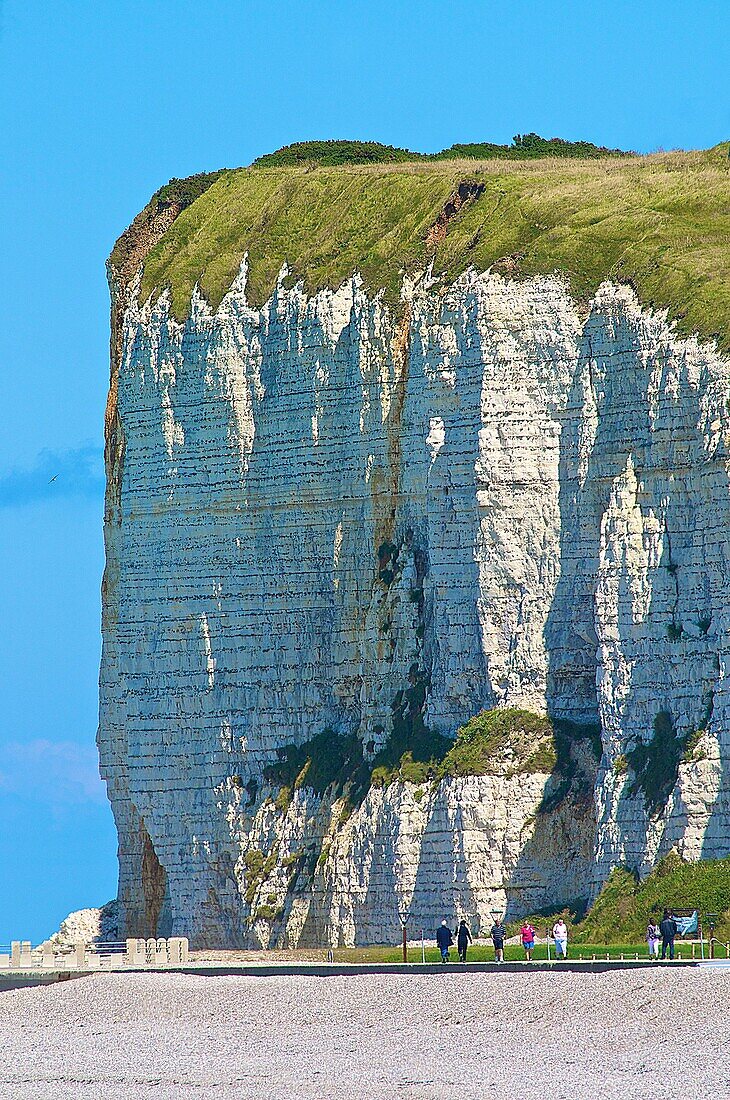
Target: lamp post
(403,915)
(711,919)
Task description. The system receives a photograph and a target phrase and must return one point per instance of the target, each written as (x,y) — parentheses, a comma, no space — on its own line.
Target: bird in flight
(53,478)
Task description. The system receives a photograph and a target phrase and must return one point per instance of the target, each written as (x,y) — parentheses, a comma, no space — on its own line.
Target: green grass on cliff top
(661,222)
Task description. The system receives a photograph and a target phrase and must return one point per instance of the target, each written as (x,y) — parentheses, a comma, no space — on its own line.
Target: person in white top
(652,938)
(560,935)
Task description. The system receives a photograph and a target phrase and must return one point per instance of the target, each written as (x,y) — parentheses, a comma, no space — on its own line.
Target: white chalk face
(527,507)
(436,436)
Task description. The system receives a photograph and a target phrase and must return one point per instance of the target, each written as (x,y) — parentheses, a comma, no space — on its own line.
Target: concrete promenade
(35,976)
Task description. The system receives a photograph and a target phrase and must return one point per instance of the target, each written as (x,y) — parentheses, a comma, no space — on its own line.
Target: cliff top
(523,147)
(660,222)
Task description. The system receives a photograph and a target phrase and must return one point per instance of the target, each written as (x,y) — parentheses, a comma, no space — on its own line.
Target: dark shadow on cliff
(565,828)
(610,396)
(570,636)
(555,865)
(444,471)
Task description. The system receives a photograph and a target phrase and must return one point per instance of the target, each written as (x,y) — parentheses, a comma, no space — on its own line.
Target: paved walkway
(16,979)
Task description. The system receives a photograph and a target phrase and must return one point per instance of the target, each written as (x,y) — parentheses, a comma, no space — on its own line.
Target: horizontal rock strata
(321,516)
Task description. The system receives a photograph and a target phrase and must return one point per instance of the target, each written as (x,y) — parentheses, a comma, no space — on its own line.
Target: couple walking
(667,930)
(559,934)
(445,940)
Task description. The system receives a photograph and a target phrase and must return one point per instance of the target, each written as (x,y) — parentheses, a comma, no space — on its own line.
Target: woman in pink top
(527,934)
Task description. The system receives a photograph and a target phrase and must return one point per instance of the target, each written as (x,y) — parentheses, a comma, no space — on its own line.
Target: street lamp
(711,920)
(403,915)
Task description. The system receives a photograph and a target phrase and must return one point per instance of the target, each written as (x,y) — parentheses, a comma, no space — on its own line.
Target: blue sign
(687,925)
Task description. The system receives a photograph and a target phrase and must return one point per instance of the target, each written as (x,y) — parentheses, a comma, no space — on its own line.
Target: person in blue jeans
(444,940)
(560,935)
(498,933)
(668,930)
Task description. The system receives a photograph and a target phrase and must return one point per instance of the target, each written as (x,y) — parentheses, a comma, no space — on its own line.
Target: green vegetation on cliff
(496,742)
(655,764)
(661,222)
(334,153)
(527,147)
(622,909)
(186,191)
(523,147)
(329,760)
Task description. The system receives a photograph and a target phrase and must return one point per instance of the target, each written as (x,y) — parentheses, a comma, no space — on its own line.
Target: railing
(134,953)
(698,949)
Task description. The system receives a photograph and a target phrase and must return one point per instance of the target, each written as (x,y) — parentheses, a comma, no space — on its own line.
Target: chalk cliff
(335,521)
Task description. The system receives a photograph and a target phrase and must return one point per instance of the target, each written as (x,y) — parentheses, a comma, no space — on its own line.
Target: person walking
(668,930)
(652,938)
(463,939)
(560,935)
(498,933)
(527,935)
(444,940)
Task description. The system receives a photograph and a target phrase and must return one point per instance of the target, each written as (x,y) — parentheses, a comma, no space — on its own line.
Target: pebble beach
(651,1034)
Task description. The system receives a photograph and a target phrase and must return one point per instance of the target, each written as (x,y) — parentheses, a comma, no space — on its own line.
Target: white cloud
(58,772)
(78,472)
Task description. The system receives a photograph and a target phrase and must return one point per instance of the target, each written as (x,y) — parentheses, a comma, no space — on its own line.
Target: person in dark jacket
(668,930)
(463,939)
(444,940)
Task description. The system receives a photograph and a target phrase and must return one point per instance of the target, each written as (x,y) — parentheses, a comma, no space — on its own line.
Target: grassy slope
(624,905)
(661,222)
(622,910)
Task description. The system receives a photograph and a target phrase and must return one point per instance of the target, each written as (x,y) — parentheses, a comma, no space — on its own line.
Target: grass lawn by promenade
(478,953)
(513,952)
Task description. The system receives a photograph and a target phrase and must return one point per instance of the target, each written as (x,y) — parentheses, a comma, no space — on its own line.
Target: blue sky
(101,103)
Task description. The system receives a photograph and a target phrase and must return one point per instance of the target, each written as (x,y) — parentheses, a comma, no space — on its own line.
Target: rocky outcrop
(329,518)
(317,873)
(87,926)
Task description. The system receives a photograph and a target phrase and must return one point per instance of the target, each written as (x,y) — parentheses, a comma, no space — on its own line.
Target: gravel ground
(657,1034)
